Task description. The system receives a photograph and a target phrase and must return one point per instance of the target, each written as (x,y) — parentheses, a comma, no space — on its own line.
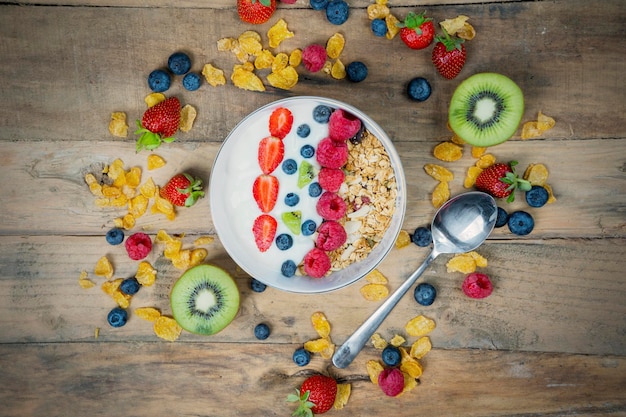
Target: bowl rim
(390,234)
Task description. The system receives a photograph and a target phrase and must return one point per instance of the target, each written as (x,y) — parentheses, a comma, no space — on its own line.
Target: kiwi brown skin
(486,109)
(204,300)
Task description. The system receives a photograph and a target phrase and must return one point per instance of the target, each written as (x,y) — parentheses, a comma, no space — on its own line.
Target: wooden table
(550,340)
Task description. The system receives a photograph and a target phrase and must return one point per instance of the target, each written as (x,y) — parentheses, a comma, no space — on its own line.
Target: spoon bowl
(461,225)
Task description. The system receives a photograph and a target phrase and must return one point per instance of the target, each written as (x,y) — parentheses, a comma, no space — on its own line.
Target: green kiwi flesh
(204,300)
(486,109)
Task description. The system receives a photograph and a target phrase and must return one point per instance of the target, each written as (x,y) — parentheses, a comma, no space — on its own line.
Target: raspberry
(331,154)
(477,285)
(331,179)
(331,206)
(314,57)
(343,125)
(391,381)
(331,235)
(316,263)
(138,246)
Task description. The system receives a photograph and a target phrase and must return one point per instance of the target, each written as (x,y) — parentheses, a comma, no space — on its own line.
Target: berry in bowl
(307,194)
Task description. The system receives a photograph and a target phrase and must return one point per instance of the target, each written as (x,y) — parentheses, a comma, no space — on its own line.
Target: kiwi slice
(204,300)
(486,109)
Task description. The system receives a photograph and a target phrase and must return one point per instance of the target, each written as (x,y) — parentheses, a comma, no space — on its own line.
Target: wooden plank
(41,301)
(204,379)
(69,80)
(588,178)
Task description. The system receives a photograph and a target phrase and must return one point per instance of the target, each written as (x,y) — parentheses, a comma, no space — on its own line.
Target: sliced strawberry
(265,192)
(271,153)
(264,230)
(281,121)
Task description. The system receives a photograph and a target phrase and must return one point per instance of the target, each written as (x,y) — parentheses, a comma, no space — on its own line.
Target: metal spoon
(460,225)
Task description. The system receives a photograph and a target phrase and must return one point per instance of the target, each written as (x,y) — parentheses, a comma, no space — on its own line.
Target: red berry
(264,230)
(316,263)
(265,192)
(280,123)
(159,123)
(477,285)
(330,179)
(314,57)
(330,236)
(331,206)
(449,56)
(182,190)
(138,246)
(343,125)
(255,11)
(271,153)
(331,154)
(391,381)
(418,31)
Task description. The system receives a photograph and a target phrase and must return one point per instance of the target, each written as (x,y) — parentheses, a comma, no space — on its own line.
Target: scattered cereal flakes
(146,274)
(118,126)
(163,206)
(327,68)
(438,172)
(128,221)
(250,44)
(545,122)
(397,340)
(147,313)
(153,99)
(278,33)
(536,174)
(122,300)
(403,240)
(214,76)
(448,152)
(457,139)
(378,342)
(109,287)
(295,57)
(409,383)
(343,394)
(203,240)
(166,328)
(138,205)
(84,281)
(480,260)
(246,79)
(419,326)
(376,277)
(551,197)
(320,324)
(374,292)
(317,345)
(478,151)
(409,364)
(148,188)
(441,194)
(182,260)
(377,11)
(462,262)
(226,44)
(112,288)
(281,60)
(472,173)
(90,179)
(534,129)
(393,26)
(197,256)
(104,268)
(133,177)
(335,45)
(338,70)
(285,78)
(459,27)
(328,352)
(187,116)
(374,368)
(155,162)
(264,60)
(421,347)
(485,161)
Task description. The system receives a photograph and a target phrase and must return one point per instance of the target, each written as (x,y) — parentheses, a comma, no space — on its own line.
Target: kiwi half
(486,109)
(204,300)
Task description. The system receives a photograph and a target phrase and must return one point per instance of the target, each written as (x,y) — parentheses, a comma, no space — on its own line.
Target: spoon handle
(353,345)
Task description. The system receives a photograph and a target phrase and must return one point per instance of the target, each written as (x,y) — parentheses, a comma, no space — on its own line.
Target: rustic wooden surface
(550,340)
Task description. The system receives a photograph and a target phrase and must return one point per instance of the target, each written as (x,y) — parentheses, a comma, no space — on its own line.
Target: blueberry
(379,27)
(304,130)
(192,81)
(321,113)
(130,286)
(315,189)
(290,166)
(179,63)
(291,199)
(537,196)
(257,286)
(391,355)
(319,4)
(308,227)
(356,71)
(307,151)
(503,217)
(521,223)
(422,236)
(418,89)
(284,241)
(262,331)
(337,12)
(159,81)
(425,294)
(288,268)
(117,317)
(301,357)
(115,236)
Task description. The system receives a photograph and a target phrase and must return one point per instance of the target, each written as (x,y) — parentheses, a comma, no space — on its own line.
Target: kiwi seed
(486,109)
(204,300)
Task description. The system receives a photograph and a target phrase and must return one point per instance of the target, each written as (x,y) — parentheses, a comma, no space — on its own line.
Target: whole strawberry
(255,11)
(182,190)
(158,124)
(316,396)
(417,31)
(500,181)
(449,55)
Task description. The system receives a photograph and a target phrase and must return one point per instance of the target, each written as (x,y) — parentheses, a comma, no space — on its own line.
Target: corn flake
(409,364)
(409,383)
(226,44)
(448,152)
(285,78)
(335,45)
(138,205)
(338,70)
(187,116)
(374,368)
(459,27)
(376,277)
(534,129)
(166,328)
(203,240)
(154,98)
(281,60)
(278,33)
(438,172)
(377,11)
(480,260)
(421,347)
(104,268)
(264,60)
(378,342)
(478,151)
(397,340)
(462,262)
(485,161)
(295,57)
(250,42)
(318,345)
(419,326)
(393,27)
(441,194)
(146,274)
(118,126)
(374,292)
(246,79)
(536,174)
(403,240)
(343,394)
(214,76)
(147,313)
(320,324)
(472,173)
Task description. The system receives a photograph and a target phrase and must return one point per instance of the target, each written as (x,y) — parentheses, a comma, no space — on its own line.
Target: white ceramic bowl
(234,209)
